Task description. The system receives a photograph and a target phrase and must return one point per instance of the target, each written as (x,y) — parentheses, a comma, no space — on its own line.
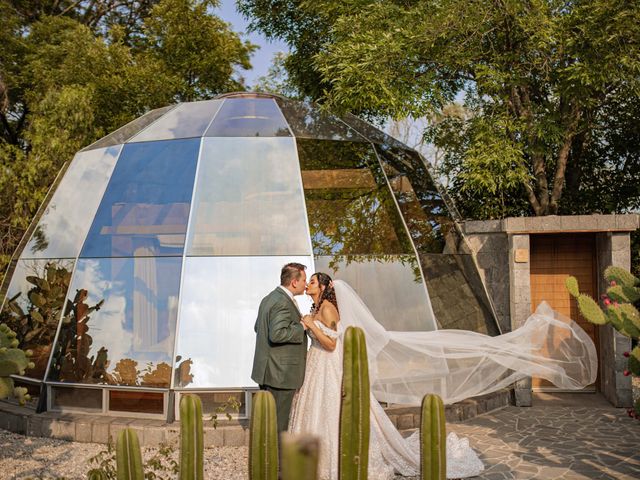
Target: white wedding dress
(453,364)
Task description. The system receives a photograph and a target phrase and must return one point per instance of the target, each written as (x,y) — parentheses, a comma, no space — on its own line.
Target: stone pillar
(520,299)
(613,249)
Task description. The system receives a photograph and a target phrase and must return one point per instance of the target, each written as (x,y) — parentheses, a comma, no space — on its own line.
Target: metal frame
(105,410)
(248,398)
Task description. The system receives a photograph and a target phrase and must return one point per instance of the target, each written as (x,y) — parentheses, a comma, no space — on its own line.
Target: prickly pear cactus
(620,309)
(13,361)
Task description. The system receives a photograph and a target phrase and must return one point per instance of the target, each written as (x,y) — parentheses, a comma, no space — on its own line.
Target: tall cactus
(191,438)
(128,457)
(97,474)
(354,409)
(13,361)
(433,441)
(299,457)
(263,442)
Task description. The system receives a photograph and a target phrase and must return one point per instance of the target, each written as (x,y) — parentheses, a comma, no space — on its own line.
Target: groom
(281,342)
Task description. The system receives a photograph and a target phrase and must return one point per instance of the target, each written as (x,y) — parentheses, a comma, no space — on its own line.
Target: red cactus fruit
(626,354)
(626,373)
(607,301)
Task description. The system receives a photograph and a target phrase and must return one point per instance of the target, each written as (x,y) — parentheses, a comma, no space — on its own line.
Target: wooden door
(553,259)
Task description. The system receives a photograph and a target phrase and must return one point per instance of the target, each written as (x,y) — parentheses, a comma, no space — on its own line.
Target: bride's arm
(329,317)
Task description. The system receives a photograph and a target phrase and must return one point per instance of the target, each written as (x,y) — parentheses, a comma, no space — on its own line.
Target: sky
(261,59)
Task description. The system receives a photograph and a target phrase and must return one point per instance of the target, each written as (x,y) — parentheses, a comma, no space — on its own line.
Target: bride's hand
(307,321)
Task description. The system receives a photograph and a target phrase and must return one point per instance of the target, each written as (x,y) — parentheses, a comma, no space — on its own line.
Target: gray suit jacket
(281,343)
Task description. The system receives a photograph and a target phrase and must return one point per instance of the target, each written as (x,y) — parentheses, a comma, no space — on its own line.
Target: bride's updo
(328,293)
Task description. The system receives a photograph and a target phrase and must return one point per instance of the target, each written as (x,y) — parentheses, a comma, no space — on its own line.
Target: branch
(563,155)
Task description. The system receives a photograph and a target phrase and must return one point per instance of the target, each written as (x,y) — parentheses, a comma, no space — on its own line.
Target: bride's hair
(328,293)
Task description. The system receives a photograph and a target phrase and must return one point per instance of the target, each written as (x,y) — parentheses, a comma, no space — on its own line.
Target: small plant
(232,404)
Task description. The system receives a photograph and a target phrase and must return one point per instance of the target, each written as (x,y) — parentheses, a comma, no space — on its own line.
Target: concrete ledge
(98,429)
(556,224)
(408,417)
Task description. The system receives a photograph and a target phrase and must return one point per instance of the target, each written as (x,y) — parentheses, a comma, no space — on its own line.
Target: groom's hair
(290,272)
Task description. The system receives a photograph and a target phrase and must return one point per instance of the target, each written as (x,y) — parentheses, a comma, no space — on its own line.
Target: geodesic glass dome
(143,272)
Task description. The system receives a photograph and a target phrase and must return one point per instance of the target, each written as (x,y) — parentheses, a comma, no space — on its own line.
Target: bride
(403,366)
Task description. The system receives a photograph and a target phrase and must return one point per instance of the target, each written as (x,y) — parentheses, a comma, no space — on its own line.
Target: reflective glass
(249,117)
(248,199)
(130,129)
(120,322)
(66,220)
(420,202)
(218,308)
(372,133)
(187,120)
(82,399)
(33,307)
(390,285)
(308,121)
(350,207)
(145,209)
(457,295)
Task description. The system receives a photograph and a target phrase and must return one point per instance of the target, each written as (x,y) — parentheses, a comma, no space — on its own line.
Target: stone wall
(613,249)
(502,251)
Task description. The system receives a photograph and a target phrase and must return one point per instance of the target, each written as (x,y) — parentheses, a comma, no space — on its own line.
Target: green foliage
(13,361)
(128,456)
(63,64)
(355,408)
(277,80)
(634,361)
(191,438)
(299,457)
(97,474)
(433,440)
(263,439)
(549,90)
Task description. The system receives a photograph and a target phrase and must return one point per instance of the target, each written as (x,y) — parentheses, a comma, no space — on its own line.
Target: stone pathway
(568,437)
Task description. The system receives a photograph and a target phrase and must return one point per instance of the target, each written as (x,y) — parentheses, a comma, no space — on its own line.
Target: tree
(71,72)
(537,80)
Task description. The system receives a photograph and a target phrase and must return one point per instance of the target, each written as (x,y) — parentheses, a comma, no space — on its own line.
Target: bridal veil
(458,364)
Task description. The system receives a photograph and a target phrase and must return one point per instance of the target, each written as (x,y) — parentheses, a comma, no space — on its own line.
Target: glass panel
(139,402)
(120,324)
(83,399)
(421,204)
(248,199)
(64,224)
(185,121)
(130,129)
(145,210)
(216,340)
(33,307)
(457,295)
(372,133)
(307,121)
(221,403)
(249,117)
(350,207)
(390,285)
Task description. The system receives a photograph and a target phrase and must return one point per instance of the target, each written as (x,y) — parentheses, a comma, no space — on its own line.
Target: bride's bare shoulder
(329,315)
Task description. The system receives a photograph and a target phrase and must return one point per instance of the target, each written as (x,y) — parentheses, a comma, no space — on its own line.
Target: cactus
(354,409)
(433,440)
(299,457)
(13,361)
(263,442)
(191,438)
(34,316)
(128,457)
(620,310)
(97,474)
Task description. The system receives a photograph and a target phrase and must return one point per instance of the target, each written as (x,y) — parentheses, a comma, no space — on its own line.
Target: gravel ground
(42,458)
